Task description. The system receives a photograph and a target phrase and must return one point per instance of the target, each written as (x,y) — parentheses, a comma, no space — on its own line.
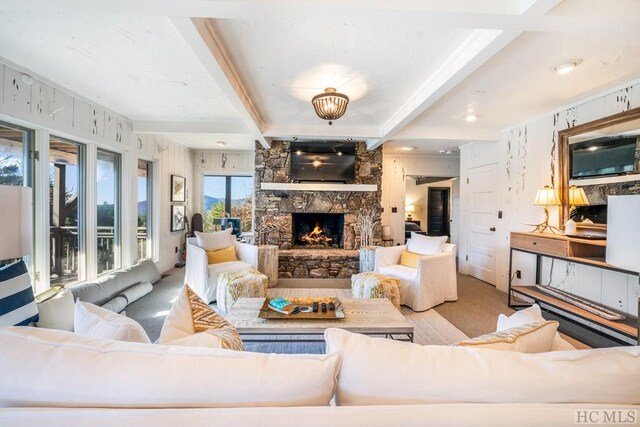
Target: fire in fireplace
(317,230)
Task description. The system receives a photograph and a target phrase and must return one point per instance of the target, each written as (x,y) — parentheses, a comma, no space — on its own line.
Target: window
(66,205)
(144,210)
(231,197)
(15,163)
(108,210)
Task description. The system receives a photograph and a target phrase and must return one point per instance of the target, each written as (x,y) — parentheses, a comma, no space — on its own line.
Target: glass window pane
(144,210)
(108,210)
(242,201)
(214,201)
(64,211)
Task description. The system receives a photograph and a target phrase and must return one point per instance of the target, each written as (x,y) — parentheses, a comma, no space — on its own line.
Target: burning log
(316,237)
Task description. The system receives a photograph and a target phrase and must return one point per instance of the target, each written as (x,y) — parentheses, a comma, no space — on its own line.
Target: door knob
(492,229)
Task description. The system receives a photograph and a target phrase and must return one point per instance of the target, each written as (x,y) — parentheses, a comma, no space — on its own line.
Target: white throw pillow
(214,241)
(530,338)
(49,368)
(97,322)
(425,245)
(380,371)
(192,322)
(531,314)
(57,312)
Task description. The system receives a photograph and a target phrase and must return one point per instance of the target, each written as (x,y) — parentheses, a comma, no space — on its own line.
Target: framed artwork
(177,217)
(178,188)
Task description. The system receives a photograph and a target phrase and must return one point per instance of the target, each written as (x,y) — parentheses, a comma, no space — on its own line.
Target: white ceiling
(246,70)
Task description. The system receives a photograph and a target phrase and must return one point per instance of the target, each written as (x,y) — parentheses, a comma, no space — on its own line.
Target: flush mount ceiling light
(407,148)
(446,151)
(330,105)
(567,67)
(471,117)
(221,143)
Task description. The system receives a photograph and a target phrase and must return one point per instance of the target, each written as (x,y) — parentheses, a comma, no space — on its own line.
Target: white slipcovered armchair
(433,282)
(203,278)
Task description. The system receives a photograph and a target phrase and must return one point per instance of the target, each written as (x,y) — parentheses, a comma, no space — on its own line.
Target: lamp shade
(577,197)
(16,226)
(410,208)
(547,197)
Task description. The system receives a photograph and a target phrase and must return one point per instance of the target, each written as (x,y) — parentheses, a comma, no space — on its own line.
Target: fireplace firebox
(317,230)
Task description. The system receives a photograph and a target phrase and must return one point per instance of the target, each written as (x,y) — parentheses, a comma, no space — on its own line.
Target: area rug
(430,328)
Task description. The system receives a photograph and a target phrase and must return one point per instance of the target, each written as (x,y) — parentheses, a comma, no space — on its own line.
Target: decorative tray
(338,313)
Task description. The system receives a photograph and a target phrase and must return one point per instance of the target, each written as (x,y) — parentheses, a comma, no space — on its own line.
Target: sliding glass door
(66,209)
(108,210)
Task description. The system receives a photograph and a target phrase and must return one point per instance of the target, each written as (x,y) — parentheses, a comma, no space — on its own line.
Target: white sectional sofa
(57,378)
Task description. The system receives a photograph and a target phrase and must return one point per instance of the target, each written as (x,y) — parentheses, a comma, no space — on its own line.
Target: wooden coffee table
(376,317)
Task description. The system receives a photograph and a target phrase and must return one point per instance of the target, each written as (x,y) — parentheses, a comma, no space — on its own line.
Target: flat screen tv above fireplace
(323,161)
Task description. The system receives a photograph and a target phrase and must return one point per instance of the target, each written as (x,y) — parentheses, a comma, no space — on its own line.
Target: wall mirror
(603,158)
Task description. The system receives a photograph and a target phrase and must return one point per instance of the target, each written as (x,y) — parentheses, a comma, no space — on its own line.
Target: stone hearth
(317,263)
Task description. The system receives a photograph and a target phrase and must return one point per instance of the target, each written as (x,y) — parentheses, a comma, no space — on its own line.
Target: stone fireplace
(317,230)
(334,212)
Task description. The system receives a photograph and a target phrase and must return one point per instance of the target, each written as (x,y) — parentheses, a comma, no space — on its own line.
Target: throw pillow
(97,322)
(214,241)
(57,312)
(17,303)
(410,259)
(222,255)
(191,322)
(531,315)
(425,245)
(531,338)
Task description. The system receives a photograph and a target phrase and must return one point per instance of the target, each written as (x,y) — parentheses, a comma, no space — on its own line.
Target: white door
(483,214)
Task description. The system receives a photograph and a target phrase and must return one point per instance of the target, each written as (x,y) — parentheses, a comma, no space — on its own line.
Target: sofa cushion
(97,322)
(425,245)
(530,338)
(191,322)
(215,240)
(49,368)
(17,302)
(57,312)
(222,255)
(531,315)
(378,371)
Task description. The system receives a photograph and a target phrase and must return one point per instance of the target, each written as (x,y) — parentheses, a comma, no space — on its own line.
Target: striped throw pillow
(17,303)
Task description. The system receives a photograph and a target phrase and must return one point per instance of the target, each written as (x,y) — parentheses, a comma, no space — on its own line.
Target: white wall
(49,109)
(527,160)
(395,168)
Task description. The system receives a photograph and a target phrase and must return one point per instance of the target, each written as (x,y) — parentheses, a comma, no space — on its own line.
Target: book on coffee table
(281,310)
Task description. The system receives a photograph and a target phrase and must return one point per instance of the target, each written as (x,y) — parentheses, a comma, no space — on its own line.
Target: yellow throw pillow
(410,259)
(222,255)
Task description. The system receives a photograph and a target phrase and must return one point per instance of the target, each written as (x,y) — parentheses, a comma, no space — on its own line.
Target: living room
(425,208)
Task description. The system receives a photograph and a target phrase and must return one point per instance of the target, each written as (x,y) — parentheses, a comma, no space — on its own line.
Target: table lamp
(409,209)
(546,197)
(577,197)
(17,302)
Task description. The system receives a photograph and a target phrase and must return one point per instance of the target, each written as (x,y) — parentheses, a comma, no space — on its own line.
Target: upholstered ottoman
(376,285)
(248,283)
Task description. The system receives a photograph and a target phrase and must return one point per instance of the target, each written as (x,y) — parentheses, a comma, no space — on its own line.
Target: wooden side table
(368,258)
(268,263)
(386,242)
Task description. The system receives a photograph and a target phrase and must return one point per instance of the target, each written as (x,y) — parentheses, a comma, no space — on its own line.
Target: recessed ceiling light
(298,152)
(339,153)
(567,67)
(221,143)
(407,148)
(442,151)
(593,148)
(446,151)
(471,117)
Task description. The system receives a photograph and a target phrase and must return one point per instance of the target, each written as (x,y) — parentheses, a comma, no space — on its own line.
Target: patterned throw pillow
(530,338)
(17,303)
(191,322)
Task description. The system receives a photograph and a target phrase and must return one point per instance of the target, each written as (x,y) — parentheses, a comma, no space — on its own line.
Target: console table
(570,249)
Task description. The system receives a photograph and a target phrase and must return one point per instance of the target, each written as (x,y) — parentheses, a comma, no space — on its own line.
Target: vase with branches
(368,220)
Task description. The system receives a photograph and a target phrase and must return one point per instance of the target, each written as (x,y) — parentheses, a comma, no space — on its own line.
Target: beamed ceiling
(240,71)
